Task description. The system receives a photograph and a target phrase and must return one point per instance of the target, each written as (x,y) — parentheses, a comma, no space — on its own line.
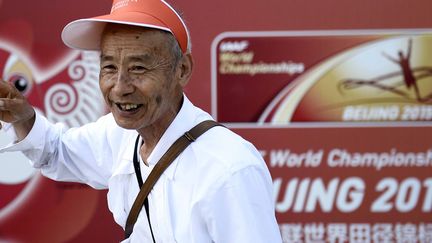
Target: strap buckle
(189,137)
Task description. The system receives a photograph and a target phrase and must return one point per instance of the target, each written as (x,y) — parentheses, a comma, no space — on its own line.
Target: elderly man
(218,189)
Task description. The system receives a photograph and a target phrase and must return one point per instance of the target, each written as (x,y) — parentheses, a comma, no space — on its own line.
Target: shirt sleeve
(241,209)
(74,155)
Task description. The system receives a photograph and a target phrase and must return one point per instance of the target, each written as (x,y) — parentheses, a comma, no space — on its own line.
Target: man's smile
(128,106)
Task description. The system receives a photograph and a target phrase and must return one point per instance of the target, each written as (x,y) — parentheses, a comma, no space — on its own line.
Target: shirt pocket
(161,206)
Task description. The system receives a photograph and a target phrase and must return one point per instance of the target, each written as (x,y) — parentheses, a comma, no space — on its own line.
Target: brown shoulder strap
(176,148)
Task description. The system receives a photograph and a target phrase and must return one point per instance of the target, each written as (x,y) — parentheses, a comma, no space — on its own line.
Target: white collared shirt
(218,190)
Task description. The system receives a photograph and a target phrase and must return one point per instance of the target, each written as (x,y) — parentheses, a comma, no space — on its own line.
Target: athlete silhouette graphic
(410,77)
(407,71)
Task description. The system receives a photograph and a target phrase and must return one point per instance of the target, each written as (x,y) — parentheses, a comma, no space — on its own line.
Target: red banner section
(343,181)
(46,211)
(338,183)
(309,76)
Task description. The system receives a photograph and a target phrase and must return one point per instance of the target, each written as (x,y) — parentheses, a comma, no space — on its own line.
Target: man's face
(138,77)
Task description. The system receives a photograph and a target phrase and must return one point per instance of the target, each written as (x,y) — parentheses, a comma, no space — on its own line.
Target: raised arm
(15,109)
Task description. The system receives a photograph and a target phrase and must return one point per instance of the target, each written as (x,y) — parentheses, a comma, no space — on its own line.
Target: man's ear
(184,69)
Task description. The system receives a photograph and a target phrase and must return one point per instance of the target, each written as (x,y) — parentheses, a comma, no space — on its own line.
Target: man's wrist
(22,128)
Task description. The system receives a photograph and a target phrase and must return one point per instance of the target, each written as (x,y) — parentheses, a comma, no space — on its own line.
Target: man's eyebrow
(106,58)
(139,58)
(134,58)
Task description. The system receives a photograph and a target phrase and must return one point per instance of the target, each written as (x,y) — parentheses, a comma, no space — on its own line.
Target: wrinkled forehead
(137,34)
(132,39)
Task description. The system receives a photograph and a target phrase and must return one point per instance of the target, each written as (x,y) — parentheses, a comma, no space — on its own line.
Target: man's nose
(123,85)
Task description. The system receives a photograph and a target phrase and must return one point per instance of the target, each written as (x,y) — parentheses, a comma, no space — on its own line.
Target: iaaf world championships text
(343,158)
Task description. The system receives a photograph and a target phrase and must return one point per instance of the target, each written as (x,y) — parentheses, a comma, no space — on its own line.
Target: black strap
(140,184)
(176,148)
(136,164)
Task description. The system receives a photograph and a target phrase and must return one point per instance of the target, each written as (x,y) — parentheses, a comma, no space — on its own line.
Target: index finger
(6,89)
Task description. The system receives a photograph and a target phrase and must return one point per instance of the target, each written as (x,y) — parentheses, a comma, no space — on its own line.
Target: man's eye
(108,68)
(138,69)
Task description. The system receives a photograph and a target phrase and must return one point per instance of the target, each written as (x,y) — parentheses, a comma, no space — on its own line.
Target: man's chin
(126,124)
(127,127)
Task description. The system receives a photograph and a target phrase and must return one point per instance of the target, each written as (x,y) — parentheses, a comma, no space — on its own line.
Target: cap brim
(85,34)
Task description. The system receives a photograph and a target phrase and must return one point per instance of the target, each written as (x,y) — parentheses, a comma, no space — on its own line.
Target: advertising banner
(321,76)
(350,184)
(343,122)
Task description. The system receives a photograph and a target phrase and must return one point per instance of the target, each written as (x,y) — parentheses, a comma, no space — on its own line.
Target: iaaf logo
(67,93)
(233,46)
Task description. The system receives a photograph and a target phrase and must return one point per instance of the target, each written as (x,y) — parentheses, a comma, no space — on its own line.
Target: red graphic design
(62,84)
(410,77)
